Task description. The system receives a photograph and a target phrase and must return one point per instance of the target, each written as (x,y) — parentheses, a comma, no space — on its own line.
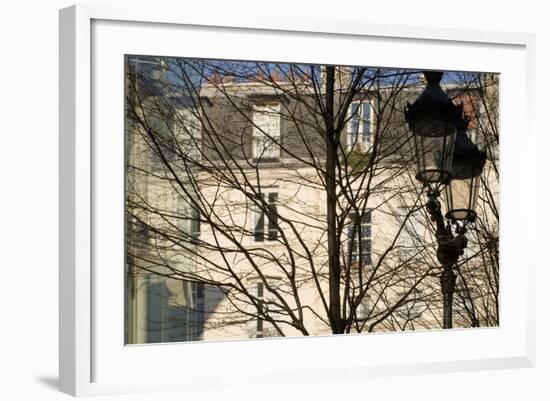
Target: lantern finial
(433,77)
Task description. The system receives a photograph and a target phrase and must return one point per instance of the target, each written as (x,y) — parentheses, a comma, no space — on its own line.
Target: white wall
(28,201)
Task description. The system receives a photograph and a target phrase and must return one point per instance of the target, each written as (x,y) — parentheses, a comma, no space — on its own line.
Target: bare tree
(478,296)
(257,183)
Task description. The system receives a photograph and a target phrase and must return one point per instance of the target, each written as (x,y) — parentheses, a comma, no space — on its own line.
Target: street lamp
(446,158)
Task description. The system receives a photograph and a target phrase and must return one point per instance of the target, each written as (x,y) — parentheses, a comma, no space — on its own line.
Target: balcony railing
(264,148)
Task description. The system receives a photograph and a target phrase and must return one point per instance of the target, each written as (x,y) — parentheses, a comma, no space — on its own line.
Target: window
(359,127)
(266,218)
(259,327)
(188,218)
(362,311)
(195,223)
(411,306)
(360,240)
(159,125)
(412,234)
(187,132)
(198,310)
(177,133)
(259,318)
(266,131)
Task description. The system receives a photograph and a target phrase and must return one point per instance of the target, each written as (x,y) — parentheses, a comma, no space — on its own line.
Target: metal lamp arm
(449,249)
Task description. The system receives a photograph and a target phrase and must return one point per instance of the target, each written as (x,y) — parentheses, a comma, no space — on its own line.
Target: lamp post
(446,159)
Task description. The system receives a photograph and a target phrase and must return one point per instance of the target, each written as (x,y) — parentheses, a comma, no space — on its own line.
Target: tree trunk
(330,177)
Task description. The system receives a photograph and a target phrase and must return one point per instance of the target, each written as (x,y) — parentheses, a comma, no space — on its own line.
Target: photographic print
(270,199)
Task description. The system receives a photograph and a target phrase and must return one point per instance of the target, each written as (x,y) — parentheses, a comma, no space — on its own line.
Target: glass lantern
(462,192)
(434,143)
(433,119)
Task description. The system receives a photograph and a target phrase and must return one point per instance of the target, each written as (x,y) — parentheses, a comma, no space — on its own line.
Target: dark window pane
(367,217)
(366,245)
(200,291)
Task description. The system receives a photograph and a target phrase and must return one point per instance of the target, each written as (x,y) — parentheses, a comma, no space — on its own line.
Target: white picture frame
(94,361)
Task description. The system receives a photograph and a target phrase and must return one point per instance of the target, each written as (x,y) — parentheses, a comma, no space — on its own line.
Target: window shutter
(366,121)
(259,319)
(259,220)
(195,223)
(273,218)
(352,233)
(366,237)
(354,123)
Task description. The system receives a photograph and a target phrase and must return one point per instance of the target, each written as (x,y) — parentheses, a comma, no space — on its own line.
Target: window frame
(259,133)
(411,224)
(355,240)
(259,327)
(359,119)
(269,227)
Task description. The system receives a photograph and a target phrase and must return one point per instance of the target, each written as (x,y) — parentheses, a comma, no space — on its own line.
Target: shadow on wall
(173,318)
